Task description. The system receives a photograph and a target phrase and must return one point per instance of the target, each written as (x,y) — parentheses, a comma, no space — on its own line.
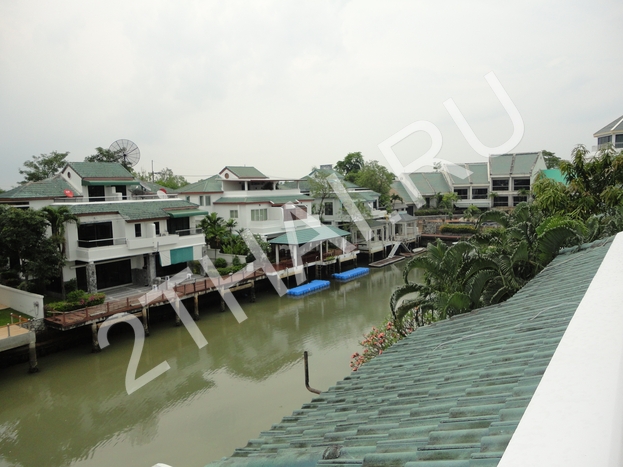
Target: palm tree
(213,228)
(57,218)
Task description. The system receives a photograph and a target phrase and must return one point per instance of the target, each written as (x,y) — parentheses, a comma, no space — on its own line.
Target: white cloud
(288,85)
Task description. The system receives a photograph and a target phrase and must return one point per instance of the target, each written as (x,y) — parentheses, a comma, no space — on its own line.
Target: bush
(71,285)
(220,263)
(76,300)
(458,229)
(236,261)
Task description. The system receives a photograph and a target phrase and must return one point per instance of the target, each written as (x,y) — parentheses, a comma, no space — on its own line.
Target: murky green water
(76,412)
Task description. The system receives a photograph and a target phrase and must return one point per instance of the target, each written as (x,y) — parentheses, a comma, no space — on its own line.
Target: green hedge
(76,300)
(457,229)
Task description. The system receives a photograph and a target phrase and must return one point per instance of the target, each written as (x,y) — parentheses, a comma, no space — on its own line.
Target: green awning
(302,236)
(187,213)
(109,182)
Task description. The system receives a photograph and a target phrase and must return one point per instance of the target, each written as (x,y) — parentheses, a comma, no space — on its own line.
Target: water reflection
(76,411)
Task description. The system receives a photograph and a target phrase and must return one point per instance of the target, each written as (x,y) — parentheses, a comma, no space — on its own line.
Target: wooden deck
(95,314)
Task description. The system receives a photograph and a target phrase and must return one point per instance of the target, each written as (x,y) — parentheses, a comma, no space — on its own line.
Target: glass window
(500,184)
(137,230)
(201,201)
(258,215)
(480,193)
(157,224)
(618,141)
(521,184)
(461,192)
(519,199)
(500,201)
(208,201)
(233,214)
(604,140)
(328,208)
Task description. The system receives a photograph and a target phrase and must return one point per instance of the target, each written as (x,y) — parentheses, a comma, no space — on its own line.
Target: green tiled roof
(100,170)
(134,210)
(512,164)
(479,175)
(430,183)
(317,234)
(212,184)
(614,127)
(53,187)
(262,199)
(555,174)
(399,188)
(245,172)
(449,395)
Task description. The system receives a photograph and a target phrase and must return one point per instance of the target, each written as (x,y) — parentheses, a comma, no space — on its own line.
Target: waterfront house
(125,235)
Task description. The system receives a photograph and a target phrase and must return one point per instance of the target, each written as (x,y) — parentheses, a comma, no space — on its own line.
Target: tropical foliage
(510,248)
(43,166)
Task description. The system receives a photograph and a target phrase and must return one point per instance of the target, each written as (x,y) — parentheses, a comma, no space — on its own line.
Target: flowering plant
(380,339)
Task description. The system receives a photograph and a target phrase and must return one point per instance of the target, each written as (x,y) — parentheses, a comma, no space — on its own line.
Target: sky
(285,86)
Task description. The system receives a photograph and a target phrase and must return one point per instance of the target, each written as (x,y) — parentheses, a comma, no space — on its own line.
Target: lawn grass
(5,316)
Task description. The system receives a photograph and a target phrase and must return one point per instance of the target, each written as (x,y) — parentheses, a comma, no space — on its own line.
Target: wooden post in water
(32,352)
(145,320)
(196,315)
(96,344)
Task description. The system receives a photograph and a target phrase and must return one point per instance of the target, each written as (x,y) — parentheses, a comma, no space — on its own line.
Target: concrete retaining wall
(24,302)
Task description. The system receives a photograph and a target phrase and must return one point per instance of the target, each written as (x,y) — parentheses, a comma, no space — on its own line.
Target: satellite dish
(130,153)
(69,193)
(162,194)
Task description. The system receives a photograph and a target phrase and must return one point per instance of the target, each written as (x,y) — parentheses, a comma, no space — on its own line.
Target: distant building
(612,133)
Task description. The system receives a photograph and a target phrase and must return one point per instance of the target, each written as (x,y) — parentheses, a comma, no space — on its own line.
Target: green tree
(57,218)
(214,229)
(43,166)
(320,189)
(350,165)
(595,183)
(471,212)
(29,258)
(106,155)
(168,179)
(552,161)
(447,203)
(377,178)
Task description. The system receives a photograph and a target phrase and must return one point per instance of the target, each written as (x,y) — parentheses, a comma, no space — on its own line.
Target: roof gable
(615,126)
(212,184)
(232,171)
(54,187)
(104,170)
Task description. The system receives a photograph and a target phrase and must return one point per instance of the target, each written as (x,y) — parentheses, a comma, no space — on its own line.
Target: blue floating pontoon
(308,288)
(349,275)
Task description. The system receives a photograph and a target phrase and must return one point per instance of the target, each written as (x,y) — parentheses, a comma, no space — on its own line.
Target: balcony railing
(101,242)
(183,233)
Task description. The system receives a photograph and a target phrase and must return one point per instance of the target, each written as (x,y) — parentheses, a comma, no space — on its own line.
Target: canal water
(76,411)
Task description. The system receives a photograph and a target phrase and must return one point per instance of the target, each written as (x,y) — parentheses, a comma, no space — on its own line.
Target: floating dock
(352,274)
(386,262)
(304,289)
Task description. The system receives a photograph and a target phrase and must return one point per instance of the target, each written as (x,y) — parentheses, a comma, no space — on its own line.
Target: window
(137,230)
(94,235)
(480,193)
(259,215)
(618,141)
(328,208)
(519,199)
(500,201)
(233,214)
(461,192)
(201,201)
(208,201)
(157,225)
(603,140)
(188,198)
(500,185)
(521,184)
